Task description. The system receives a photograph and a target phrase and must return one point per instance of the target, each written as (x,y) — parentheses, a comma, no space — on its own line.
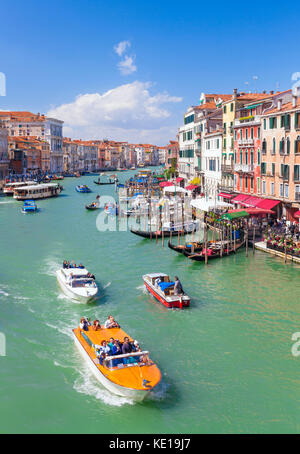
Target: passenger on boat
(178,287)
(91,276)
(104,347)
(65,264)
(102,358)
(111,323)
(68,265)
(73,264)
(126,347)
(80,266)
(157,282)
(83,324)
(96,325)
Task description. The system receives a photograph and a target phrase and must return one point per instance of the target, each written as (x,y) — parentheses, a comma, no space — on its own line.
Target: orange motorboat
(131,375)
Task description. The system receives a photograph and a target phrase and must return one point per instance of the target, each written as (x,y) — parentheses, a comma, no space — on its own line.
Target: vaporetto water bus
(10,187)
(77,284)
(38,191)
(132,375)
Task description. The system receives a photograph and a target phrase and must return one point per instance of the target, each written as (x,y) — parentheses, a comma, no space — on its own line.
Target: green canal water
(226,361)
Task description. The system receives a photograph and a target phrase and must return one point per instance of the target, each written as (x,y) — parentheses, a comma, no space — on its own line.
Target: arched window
(297,145)
(264,146)
(281,146)
(274,146)
(288,145)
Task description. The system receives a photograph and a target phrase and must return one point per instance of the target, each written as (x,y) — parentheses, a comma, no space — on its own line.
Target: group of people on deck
(72,264)
(114,347)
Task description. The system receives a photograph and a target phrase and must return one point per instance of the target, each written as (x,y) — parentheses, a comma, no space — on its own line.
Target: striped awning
(225,195)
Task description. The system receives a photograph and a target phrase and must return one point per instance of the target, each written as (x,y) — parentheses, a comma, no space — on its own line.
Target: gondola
(92,206)
(102,184)
(157,233)
(182,248)
(200,257)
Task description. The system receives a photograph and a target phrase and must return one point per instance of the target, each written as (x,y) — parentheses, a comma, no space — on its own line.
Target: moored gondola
(187,247)
(104,183)
(214,251)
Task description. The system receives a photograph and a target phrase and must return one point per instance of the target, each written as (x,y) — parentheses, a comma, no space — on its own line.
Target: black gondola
(92,206)
(157,233)
(200,257)
(184,248)
(101,184)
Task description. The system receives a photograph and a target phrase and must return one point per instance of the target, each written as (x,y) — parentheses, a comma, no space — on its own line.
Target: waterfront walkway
(261,246)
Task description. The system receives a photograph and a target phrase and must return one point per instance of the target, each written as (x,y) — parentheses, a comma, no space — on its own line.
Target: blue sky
(54,53)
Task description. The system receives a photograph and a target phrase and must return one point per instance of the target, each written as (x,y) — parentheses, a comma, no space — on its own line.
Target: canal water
(226,361)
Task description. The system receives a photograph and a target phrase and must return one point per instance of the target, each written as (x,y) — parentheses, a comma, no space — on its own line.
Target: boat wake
(107,285)
(86,384)
(62,329)
(3,292)
(51,266)
(143,288)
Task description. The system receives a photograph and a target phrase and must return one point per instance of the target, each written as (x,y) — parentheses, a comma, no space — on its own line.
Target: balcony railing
(297,196)
(245,142)
(245,168)
(227,168)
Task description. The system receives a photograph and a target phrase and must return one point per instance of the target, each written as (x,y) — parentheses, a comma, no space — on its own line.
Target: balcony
(297,196)
(245,142)
(227,168)
(247,120)
(244,168)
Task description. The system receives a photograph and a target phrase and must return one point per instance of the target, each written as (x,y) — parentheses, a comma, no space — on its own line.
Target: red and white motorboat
(160,286)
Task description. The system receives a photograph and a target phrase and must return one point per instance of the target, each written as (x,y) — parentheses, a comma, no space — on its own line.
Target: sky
(128,69)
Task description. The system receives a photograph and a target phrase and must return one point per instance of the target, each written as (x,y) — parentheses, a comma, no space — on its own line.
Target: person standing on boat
(178,287)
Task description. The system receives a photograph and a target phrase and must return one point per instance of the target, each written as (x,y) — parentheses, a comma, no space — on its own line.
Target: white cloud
(127,65)
(127,112)
(121,47)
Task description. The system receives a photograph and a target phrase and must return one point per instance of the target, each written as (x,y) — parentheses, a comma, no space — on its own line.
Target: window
(284,171)
(246,183)
(231,107)
(274,146)
(258,184)
(212,165)
(273,169)
(224,143)
(235,134)
(258,133)
(288,145)
(241,134)
(272,188)
(247,133)
(273,122)
(189,119)
(252,133)
(265,123)
(286,190)
(263,168)
(251,183)
(246,156)
(252,158)
(281,190)
(296,172)
(224,109)
(241,157)
(297,120)
(281,146)
(297,145)
(264,147)
(263,187)
(258,157)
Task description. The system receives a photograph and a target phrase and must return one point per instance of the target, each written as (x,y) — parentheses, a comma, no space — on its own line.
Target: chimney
(271,92)
(294,101)
(234,93)
(279,104)
(264,92)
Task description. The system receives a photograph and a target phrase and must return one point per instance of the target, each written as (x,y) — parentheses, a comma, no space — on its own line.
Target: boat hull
(73,295)
(177,303)
(133,394)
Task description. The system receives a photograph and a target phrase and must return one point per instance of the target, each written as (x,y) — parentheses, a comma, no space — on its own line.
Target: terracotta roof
(285,107)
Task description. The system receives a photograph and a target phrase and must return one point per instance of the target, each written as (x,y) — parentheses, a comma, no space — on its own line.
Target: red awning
(165,184)
(225,195)
(250,201)
(179,179)
(267,203)
(191,187)
(297,214)
(239,198)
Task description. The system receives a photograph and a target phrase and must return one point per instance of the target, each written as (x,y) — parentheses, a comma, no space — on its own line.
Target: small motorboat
(29,207)
(77,283)
(93,206)
(111,209)
(83,188)
(160,286)
(132,375)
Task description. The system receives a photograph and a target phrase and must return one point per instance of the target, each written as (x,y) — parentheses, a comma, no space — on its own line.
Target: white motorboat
(77,283)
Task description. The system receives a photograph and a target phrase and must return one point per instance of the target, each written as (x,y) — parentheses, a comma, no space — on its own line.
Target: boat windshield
(129,360)
(84,282)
